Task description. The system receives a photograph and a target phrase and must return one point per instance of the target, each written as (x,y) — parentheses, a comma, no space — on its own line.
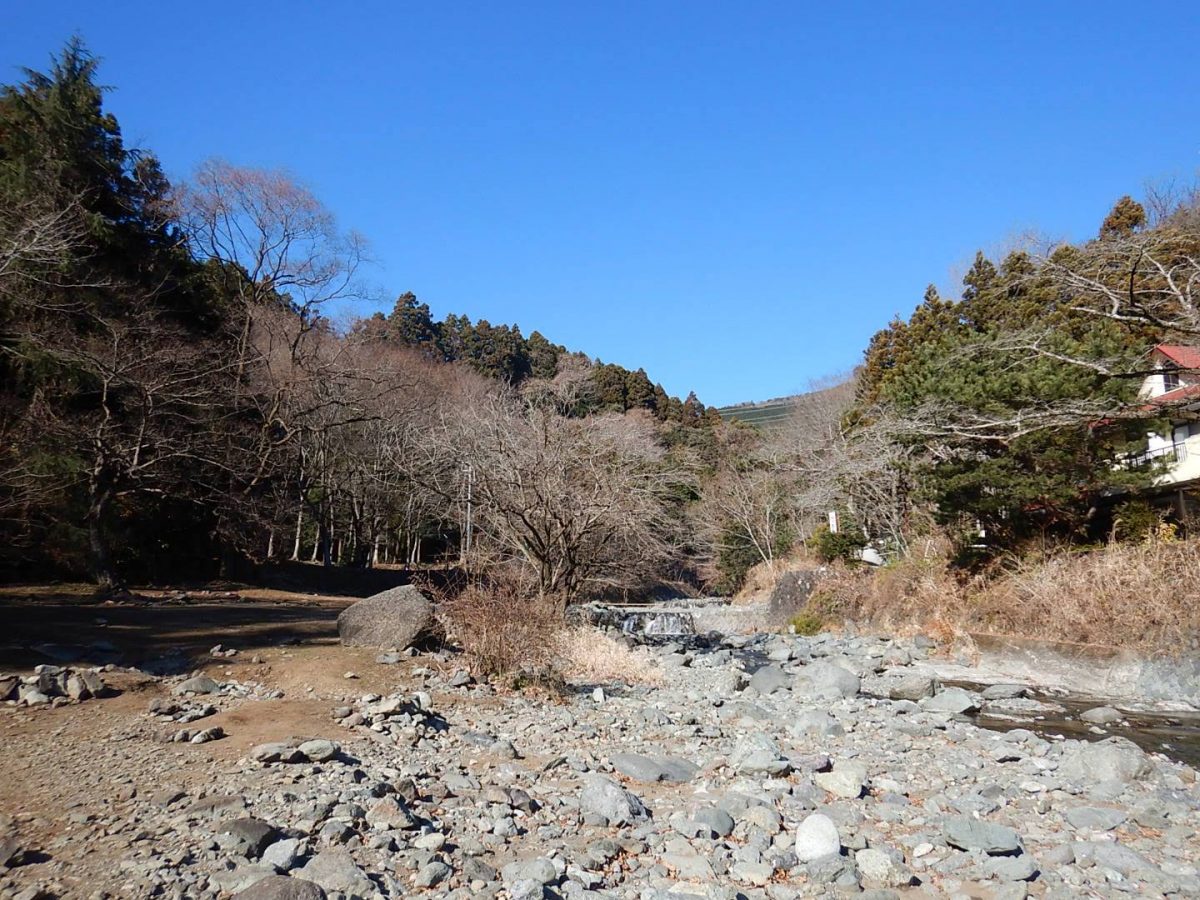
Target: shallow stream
(1173,734)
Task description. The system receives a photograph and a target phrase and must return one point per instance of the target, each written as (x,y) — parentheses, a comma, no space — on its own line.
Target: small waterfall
(659,623)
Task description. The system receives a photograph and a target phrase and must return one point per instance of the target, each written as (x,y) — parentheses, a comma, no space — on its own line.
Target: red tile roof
(1187,392)
(1183,356)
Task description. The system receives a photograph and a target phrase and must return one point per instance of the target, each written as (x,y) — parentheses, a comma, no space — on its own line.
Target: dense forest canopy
(173,401)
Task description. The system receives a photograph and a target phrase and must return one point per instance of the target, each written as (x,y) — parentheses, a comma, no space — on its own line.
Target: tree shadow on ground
(60,628)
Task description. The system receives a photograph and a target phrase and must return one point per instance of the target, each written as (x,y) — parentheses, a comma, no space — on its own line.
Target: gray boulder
(10,843)
(539,869)
(284,854)
(336,870)
(659,768)
(911,686)
(791,592)
(1115,759)
(1111,855)
(400,617)
(319,750)
(847,780)
(713,819)
(247,836)
(878,867)
(198,684)
(758,754)
(1101,715)
(432,874)
(280,887)
(389,813)
(769,679)
(952,700)
(828,680)
(606,800)
(815,722)
(1096,818)
(967,833)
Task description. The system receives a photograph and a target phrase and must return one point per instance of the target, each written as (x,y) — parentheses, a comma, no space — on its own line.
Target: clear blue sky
(734,196)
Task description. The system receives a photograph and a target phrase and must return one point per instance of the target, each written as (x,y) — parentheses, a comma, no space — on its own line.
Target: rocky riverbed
(762,766)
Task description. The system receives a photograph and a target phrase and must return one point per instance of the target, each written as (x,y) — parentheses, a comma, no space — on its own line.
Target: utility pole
(468,531)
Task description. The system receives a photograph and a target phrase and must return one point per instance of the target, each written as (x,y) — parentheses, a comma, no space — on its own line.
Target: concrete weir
(1093,669)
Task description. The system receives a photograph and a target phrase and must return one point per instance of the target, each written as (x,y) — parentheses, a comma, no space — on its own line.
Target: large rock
(10,843)
(390,813)
(878,867)
(815,722)
(399,618)
(658,768)
(1102,715)
(1115,759)
(604,799)
(247,836)
(792,591)
(847,780)
(336,870)
(828,681)
(952,700)
(1096,818)
(967,833)
(280,887)
(911,686)
(758,754)
(817,837)
(769,679)
(198,684)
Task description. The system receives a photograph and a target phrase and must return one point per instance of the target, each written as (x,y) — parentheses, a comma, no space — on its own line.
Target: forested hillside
(175,399)
(176,402)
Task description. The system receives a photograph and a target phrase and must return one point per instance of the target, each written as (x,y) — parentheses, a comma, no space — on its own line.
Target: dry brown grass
(586,654)
(1140,596)
(1143,596)
(504,627)
(907,595)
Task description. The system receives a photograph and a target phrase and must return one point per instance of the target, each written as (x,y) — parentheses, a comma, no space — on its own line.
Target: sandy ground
(68,773)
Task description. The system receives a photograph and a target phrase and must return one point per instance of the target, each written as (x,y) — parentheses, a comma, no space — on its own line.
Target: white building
(1175,383)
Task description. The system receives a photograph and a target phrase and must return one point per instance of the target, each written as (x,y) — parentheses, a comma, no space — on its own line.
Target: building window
(1170,379)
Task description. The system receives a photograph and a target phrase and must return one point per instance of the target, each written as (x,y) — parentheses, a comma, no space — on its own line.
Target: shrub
(906,594)
(736,557)
(806,622)
(1135,520)
(507,631)
(846,544)
(504,626)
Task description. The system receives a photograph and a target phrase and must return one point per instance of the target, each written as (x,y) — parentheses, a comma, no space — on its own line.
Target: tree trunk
(102,566)
(326,542)
(299,530)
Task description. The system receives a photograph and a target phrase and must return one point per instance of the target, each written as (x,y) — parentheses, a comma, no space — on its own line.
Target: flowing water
(659,623)
(1173,734)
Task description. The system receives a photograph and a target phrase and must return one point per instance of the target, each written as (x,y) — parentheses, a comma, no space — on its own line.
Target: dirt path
(69,775)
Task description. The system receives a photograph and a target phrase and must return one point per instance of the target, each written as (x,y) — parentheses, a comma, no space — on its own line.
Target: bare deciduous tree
(149,406)
(578,501)
(272,240)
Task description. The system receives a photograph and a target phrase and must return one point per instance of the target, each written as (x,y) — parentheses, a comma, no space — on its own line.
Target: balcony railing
(1172,455)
